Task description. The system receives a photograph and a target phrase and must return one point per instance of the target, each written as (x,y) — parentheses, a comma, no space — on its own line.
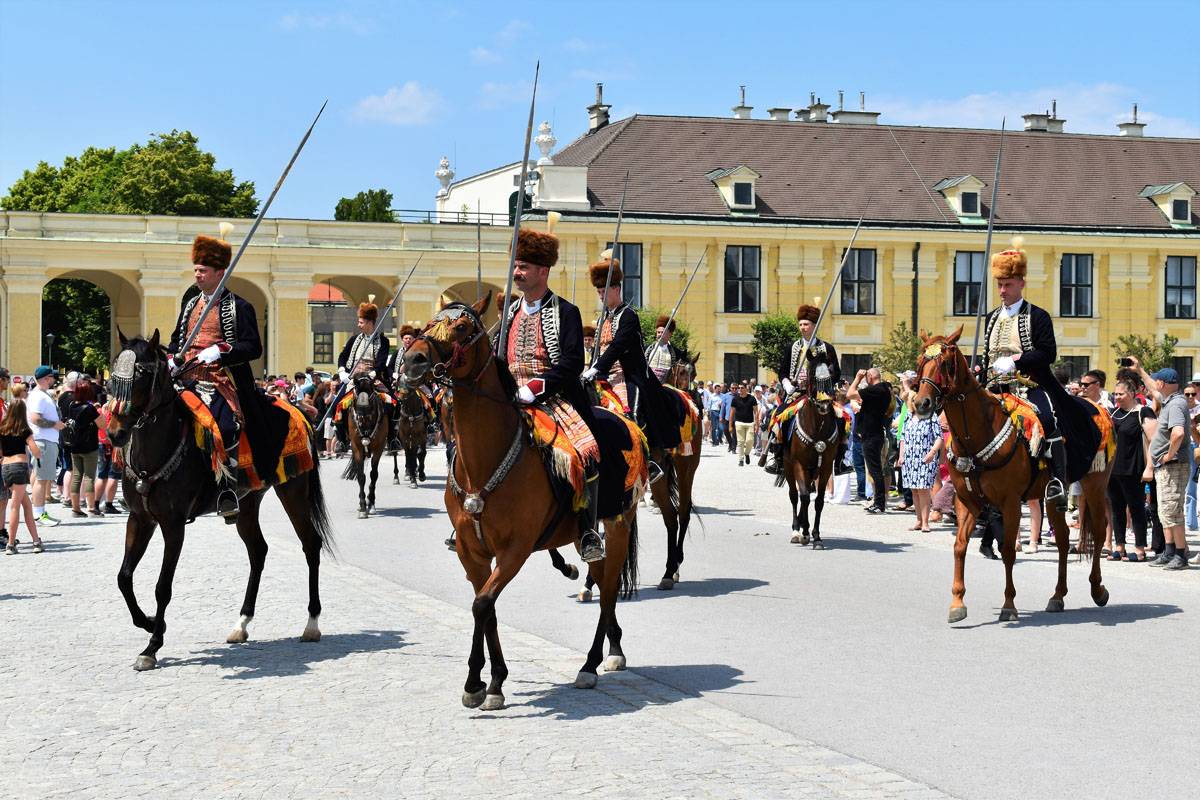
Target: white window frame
(962,206)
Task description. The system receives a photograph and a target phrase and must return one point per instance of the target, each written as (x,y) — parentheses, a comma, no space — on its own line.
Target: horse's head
(941,371)
(364,384)
(138,378)
(684,372)
(454,345)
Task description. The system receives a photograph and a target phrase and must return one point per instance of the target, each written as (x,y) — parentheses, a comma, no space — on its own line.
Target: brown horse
(366,428)
(990,463)
(673,493)
(412,429)
(507,507)
(808,456)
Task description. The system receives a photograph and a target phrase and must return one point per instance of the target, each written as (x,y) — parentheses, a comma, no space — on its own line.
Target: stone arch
(465,292)
(256,296)
(356,289)
(124,297)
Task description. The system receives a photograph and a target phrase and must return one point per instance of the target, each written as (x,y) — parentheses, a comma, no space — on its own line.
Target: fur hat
(211,252)
(1010,263)
(589,330)
(368,311)
(662,321)
(807,312)
(598,272)
(407,330)
(536,247)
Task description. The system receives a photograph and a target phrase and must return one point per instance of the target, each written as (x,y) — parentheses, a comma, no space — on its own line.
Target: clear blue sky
(410,82)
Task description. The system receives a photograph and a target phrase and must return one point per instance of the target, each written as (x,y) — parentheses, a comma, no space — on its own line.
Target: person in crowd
(726,428)
(918,460)
(714,413)
(46,422)
(764,411)
(64,399)
(330,433)
(904,413)
(1133,425)
(875,399)
(109,469)
(1171,465)
(85,446)
(16,442)
(1191,393)
(746,418)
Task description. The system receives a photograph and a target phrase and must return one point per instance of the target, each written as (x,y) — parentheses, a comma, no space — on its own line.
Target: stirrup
(1056,494)
(591,546)
(655,471)
(227,505)
(452,543)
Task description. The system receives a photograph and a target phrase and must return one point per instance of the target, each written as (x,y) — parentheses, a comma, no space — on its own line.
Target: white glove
(788,387)
(1004,365)
(171,363)
(345,376)
(209,355)
(590,374)
(524,395)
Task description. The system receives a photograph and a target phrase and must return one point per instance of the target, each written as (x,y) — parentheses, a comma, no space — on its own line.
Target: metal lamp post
(50,349)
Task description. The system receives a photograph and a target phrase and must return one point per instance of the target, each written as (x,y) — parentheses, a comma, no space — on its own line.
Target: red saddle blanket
(295,458)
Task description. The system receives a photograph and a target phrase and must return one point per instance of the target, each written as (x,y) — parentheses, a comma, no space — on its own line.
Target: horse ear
(121,338)
(952,338)
(154,340)
(482,304)
(924,336)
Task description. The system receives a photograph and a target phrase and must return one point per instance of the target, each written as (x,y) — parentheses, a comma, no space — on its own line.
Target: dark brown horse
(808,458)
(412,429)
(169,482)
(673,492)
(991,464)
(366,428)
(520,513)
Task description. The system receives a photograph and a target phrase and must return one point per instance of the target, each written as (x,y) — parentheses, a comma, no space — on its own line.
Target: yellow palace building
(766,206)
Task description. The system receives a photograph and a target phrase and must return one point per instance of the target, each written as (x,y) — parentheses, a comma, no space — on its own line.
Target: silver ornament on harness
(820,446)
(473,504)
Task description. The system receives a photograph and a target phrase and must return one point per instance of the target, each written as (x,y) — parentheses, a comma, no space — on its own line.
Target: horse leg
(473,690)
(256,550)
(374,478)
(362,485)
(138,533)
(173,545)
(794,496)
(671,521)
(421,460)
(486,629)
(294,497)
(1095,510)
(410,465)
(1062,540)
(569,571)
(608,574)
(802,488)
(589,583)
(966,523)
(1011,511)
(818,504)
(395,469)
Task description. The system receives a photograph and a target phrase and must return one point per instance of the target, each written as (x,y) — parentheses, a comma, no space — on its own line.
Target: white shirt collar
(532,308)
(1014,309)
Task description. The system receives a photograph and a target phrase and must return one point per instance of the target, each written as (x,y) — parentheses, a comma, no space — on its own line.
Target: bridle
(365,437)
(125,373)
(939,351)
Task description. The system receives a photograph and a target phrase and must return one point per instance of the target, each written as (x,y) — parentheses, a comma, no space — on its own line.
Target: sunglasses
(1189,394)
(1086,384)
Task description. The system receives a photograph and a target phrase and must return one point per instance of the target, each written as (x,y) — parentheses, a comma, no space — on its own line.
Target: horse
(808,457)
(517,511)
(169,482)
(412,429)
(991,463)
(367,431)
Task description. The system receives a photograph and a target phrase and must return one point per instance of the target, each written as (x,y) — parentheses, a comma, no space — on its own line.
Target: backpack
(66,437)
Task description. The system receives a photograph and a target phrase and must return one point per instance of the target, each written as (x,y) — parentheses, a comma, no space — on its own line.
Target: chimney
(779,113)
(1053,123)
(817,111)
(741,110)
(860,117)
(1037,122)
(598,111)
(802,114)
(1133,128)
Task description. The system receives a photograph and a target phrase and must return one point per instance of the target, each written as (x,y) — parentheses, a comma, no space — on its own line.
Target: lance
(242,248)
(987,248)
(478,253)
(502,338)
(662,339)
(612,254)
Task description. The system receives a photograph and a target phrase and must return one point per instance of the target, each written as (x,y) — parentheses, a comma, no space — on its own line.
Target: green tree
(773,337)
(681,338)
(373,205)
(78,313)
(901,350)
(1151,353)
(169,174)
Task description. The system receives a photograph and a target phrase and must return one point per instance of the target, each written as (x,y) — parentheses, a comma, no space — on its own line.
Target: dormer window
(962,195)
(969,202)
(1181,211)
(736,186)
(1174,200)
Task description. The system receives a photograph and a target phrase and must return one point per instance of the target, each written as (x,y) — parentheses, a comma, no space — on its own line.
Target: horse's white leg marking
(239,633)
(311,632)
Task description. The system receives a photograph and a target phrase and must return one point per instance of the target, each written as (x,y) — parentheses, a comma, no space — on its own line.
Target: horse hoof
(412,485)
(395,481)
(796,538)
(493,702)
(1102,598)
(957,615)
(362,515)
(238,636)
(675,577)
(614,664)
(585,680)
(311,634)
(474,699)
(585,596)
(573,573)
(666,584)
(818,544)
(143,663)
(1055,606)
(1008,615)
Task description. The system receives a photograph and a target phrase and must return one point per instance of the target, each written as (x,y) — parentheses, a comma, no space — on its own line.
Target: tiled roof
(815,171)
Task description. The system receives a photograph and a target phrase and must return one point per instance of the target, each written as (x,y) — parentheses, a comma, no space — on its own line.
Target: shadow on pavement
(1113,614)
(286,657)
(64,547)
(708,587)
(33,596)
(409,513)
(834,542)
(626,692)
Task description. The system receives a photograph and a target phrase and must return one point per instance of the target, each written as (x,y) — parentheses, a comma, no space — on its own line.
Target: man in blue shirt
(726,424)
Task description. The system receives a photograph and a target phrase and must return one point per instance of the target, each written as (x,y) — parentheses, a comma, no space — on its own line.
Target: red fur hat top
(536,247)
(807,312)
(662,321)
(368,311)
(598,273)
(211,252)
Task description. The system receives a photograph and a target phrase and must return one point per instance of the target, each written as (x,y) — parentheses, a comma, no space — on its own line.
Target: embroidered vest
(363,353)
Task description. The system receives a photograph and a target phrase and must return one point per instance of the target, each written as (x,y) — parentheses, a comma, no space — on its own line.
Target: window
(858,282)
(1076,365)
(970,202)
(1181,287)
(968,282)
(630,256)
(743,194)
(1180,211)
(740,367)
(322,348)
(742,278)
(1183,365)
(851,363)
(1075,285)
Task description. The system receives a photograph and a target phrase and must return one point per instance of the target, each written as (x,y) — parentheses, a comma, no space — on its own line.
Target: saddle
(346,401)
(786,414)
(689,415)
(295,458)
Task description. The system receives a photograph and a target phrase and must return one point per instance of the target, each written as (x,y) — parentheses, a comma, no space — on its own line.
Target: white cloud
(320,22)
(481,55)
(512,31)
(1087,109)
(410,104)
(496,95)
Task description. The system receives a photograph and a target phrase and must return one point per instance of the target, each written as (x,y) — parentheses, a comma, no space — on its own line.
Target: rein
(125,371)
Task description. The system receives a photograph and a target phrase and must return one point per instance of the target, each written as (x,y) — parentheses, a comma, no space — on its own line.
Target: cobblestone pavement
(371,710)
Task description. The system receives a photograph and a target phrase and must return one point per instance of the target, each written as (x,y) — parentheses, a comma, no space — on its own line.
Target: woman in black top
(16,442)
(1129,472)
(85,447)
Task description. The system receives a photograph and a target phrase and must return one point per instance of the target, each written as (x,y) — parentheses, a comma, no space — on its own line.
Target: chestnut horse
(366,428)
(412,429)
(169,482)
(992,464)
(673,492)
(521,512)
(808,456)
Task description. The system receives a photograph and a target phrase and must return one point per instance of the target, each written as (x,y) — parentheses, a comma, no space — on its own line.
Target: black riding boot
(991,529)
(840,467)
(393,442)
(655,471)
(591,542)
(227,499)
(1056,489)
(775,451)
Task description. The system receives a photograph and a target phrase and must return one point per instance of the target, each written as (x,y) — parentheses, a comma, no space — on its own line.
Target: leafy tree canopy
(373,205)
(901,350)
(681,338)
(773,337)
(78,314)
(169,174)
(1151,353)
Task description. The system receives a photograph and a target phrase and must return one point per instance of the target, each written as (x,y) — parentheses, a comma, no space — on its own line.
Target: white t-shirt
(42,403)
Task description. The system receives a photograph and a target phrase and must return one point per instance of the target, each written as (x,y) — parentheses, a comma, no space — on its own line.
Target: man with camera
(1172,467)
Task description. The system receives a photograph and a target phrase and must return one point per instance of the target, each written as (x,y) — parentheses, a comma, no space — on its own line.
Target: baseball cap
(1166,375)
(43,371)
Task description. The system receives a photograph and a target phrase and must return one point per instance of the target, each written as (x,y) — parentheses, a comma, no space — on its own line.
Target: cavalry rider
(220,357)
(662,355)
(589,343)
(368,354)
(817,376)
(395,362)
(623,362)
(544,353)
(1019,338)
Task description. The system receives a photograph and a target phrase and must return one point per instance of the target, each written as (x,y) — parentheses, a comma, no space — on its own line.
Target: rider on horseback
(544,353)
(662,356)
(365,353)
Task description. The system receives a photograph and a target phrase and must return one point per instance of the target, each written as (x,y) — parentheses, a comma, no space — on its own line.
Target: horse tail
(629,570)
(318,514)
(354,469)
